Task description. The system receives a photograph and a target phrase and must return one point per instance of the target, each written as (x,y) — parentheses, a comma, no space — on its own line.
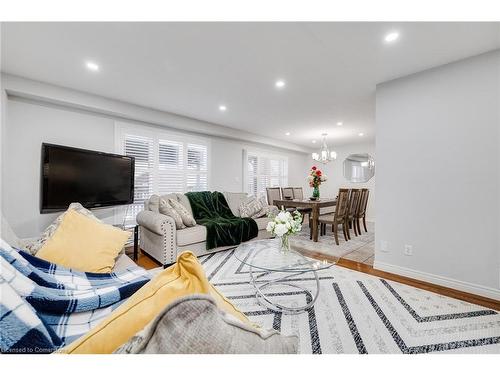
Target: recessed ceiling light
(361,134)
(222,108)
(287,133)
(340,123)
(313,141)
(280,83)
(391,37)
(92,66)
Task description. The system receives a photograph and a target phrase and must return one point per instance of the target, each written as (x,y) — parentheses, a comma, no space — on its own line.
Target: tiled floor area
(359,249)
(364,254)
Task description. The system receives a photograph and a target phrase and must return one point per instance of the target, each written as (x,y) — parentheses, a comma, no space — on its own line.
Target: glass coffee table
(269,267)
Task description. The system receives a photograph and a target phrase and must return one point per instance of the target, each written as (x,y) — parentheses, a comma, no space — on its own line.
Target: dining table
(314,205)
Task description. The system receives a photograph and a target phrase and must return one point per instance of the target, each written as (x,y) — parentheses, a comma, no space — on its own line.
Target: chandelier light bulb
(325,155)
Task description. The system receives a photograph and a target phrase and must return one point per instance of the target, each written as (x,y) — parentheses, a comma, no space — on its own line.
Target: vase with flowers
(315,178)
(284,225)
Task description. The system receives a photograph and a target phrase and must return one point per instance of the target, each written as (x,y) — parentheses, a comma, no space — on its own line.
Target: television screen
(94,179)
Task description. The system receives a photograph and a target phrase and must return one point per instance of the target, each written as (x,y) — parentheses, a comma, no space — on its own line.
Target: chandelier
(325,155)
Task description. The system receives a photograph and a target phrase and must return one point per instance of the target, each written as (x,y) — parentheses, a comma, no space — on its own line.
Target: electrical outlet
(408,250)
(384,246)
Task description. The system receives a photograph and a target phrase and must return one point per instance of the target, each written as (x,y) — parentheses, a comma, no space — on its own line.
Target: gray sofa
(161,240)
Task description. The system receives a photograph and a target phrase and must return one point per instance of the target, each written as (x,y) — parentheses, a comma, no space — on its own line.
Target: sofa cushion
(186,216)
(123,262)
(183,278)
(154,203)
(233,201)
(262,222)
(195,325)
(250,206)
(84,244)
(167,209)
(266,211)
(33,246)
(190,235)
(181,198)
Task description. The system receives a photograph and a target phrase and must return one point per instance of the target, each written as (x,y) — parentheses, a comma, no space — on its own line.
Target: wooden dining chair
(298,193)
(273,194)
(361,212)
(287,193)
(338,217)
(354,199)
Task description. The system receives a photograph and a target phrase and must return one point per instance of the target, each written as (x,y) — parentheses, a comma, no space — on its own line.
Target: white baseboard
(439,280)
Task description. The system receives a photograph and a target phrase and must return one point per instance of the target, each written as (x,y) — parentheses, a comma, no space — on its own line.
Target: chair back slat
(287,192)
(363,203)
(273,193)
(298,193)
(342,206)
(354,200)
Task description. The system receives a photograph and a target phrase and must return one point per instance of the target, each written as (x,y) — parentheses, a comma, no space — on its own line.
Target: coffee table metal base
(266,299)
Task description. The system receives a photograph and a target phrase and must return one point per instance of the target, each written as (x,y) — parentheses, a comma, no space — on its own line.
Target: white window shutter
(252,175)
(164,163)
(197,167)
(265,171)
(170,167)
(141,148)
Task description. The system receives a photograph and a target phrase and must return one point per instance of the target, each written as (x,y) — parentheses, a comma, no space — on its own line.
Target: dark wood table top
(324,202)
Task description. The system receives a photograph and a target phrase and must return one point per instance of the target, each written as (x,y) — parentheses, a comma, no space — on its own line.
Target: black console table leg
(136,243)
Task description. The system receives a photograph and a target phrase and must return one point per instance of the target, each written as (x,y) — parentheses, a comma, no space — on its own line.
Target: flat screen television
(92,178)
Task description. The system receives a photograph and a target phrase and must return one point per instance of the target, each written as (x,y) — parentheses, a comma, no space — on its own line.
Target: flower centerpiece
(316,177)
(284,225)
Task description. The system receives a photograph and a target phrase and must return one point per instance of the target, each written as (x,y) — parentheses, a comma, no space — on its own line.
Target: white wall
(27,126)
(227,164)
(335,173)
(438,174)
(29,123)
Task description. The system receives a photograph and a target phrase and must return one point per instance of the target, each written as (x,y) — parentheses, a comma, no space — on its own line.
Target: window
(164,163)
(265,170)
(141,148)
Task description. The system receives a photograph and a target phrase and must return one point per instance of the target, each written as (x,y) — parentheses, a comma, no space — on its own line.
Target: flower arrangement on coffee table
(284,225)
(315,178)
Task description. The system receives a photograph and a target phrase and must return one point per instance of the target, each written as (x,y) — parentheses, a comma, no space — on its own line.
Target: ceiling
(330,69)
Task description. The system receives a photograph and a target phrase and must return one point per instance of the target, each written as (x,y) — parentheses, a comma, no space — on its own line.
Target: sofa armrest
(158,236)
(155,222)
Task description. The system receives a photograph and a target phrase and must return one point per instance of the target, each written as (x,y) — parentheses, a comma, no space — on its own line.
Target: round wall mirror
(359,168)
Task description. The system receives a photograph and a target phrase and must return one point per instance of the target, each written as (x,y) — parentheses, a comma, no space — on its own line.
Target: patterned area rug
(360,313)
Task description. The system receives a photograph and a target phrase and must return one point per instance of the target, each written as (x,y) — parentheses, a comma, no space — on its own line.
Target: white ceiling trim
(20,87)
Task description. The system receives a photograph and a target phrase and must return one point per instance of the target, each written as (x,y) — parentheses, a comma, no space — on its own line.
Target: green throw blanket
(211,210)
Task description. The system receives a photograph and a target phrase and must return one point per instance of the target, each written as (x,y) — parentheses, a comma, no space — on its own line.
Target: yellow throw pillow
(84,244)
(183,278)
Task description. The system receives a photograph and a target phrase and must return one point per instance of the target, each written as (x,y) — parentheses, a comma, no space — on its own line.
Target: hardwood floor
(453,293)
(147,262)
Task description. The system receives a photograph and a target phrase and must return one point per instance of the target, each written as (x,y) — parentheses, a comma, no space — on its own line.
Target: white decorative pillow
(233,201)
(187,218)
(266,211)
(154,203)
(250,207)
(34,246)
(167,209)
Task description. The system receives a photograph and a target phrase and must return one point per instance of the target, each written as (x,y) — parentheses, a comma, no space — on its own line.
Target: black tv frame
(43,179)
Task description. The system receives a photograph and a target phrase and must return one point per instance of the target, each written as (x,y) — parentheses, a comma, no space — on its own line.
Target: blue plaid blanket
(44,307)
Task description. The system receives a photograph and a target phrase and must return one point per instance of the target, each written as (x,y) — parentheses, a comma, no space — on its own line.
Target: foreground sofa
(161,240)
